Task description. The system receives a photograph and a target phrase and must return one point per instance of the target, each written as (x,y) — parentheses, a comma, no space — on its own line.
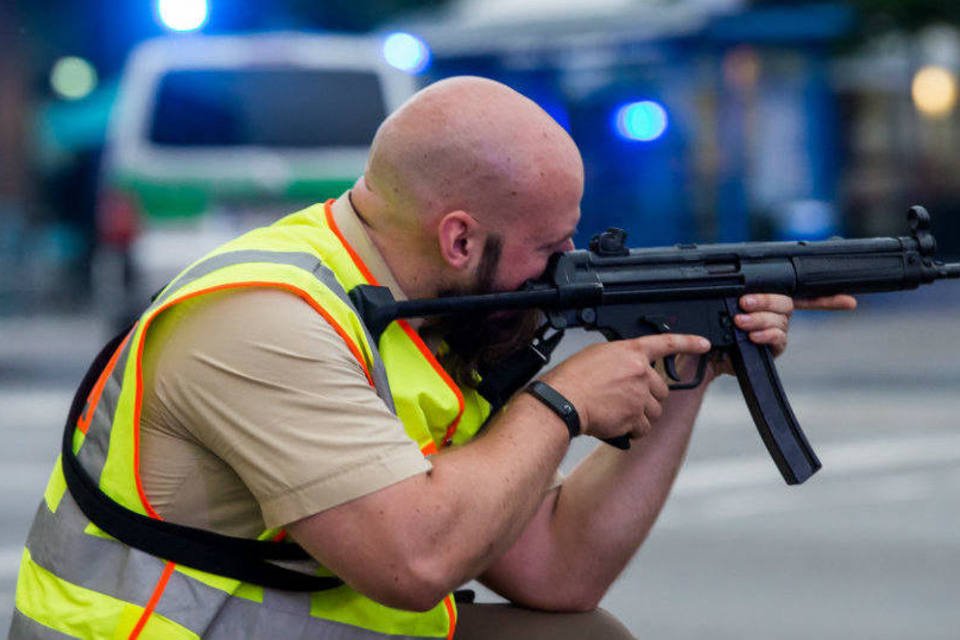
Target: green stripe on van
(163,200)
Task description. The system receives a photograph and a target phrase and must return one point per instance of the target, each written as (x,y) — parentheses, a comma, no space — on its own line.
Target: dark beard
(477,342)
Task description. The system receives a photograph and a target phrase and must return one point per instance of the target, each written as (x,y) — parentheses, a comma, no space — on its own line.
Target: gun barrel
(949,270)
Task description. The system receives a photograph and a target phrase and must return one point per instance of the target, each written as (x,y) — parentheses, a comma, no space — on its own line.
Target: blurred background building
(699,120)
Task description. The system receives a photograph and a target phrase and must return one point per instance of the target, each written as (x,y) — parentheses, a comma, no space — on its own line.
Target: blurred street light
(73,78)
(183,15)
(406,52)
(643,121)
(934,91)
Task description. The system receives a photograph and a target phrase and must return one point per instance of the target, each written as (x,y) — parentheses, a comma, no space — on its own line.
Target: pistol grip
(770,408)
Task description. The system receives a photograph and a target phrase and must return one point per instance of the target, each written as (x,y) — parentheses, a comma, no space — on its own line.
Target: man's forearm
(598,519)
(468,510)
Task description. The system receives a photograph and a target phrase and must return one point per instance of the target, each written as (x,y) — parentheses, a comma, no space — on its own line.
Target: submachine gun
(626,293)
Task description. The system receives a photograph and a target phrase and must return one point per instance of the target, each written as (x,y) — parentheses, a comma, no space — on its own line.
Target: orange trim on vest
(451,614)
(404,325)
(154,600)
(328,210)
(233,285)
(83,422)
(425,351)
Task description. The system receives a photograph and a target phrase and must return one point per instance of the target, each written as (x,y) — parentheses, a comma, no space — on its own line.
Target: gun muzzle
(948,270)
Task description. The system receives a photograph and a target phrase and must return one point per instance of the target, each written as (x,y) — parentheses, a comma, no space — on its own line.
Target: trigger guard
(697,379)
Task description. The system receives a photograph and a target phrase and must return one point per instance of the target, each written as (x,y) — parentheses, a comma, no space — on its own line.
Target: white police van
(214,135)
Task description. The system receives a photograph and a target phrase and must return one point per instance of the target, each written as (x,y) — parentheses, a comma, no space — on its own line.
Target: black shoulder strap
(228,556)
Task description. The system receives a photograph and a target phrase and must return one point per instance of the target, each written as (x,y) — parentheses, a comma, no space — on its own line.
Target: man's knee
(508,622)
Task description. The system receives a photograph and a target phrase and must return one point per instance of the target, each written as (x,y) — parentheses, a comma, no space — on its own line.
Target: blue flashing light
(808,220)
(406,52)
(183,15)
(644,121)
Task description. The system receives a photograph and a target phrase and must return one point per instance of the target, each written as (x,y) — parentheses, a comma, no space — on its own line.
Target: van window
(267,106)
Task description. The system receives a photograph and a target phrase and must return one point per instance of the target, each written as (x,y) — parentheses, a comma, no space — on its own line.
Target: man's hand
(767,319)
(613,386)
(767,316)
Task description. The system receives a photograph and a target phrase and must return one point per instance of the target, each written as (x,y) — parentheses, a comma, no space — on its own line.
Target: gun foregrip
(771,411)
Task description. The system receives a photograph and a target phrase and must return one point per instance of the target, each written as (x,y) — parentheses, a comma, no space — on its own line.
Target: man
(250,401)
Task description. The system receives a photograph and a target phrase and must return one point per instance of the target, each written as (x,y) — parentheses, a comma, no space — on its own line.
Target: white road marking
(33,408)
(10,562)
(845,459)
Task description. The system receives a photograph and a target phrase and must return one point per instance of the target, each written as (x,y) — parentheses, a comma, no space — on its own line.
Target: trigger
(670,364)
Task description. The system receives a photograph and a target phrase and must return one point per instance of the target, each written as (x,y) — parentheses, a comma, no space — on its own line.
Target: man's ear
(460,239)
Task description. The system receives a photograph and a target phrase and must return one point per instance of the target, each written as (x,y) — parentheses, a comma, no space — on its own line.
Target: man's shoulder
(243,329)
(244,311)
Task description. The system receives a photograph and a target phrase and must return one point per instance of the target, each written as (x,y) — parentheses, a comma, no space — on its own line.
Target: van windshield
(267,106)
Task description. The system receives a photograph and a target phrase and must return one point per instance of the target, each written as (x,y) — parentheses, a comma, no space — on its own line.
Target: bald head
(475,145)
(465,164)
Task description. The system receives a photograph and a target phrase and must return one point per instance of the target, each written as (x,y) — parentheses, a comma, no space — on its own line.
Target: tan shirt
(255,414)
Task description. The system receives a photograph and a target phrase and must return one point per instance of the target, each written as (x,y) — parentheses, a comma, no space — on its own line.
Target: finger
(641,427)
(840,302)
(776,339)
(653,410)
(668,344)
(659,388)
(762,320)
(767,302)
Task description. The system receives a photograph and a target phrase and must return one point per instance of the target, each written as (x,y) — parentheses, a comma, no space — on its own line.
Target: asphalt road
(868,548)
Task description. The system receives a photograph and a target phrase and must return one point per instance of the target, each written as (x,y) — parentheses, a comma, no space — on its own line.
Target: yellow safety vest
(77,581)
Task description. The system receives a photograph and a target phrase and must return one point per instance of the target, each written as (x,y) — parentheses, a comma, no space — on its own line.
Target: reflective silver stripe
(24,628)
(299,259)
(306,261)
(93,452)
(379,373)
(57,543)
(288,601)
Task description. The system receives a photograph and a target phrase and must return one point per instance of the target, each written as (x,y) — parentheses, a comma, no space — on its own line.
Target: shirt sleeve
(265,383)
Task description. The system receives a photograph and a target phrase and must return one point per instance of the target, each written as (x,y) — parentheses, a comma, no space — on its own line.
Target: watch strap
(555,401)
